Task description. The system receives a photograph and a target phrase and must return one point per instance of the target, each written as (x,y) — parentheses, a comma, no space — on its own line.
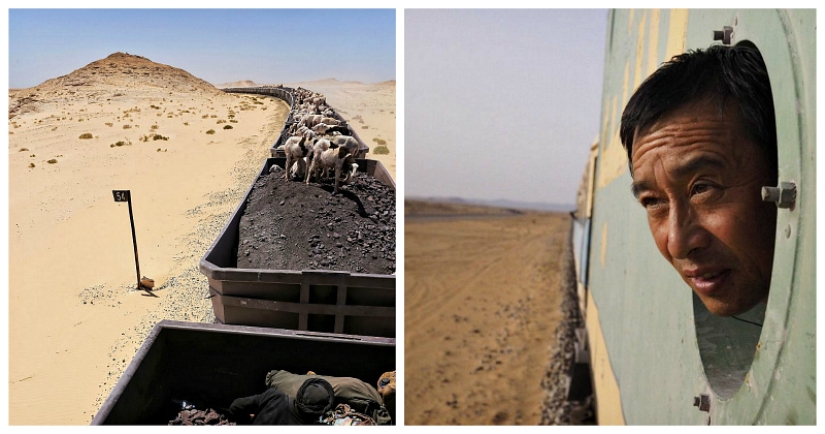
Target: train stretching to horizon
(656,355)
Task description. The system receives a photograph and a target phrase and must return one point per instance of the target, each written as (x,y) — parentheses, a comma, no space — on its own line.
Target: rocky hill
(128,70)
(114,75)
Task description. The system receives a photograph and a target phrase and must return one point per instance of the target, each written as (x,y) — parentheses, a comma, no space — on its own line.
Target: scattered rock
(556,409)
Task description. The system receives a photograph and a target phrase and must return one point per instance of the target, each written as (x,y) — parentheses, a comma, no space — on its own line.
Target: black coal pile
(289,225)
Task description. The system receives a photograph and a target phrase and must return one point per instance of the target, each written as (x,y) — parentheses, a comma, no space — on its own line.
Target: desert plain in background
(127,123)
(482,304)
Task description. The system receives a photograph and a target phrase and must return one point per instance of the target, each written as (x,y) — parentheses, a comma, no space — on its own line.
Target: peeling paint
(626,82)
(613,159)
(640,52)
(608,395)
(653,42)
(677,32)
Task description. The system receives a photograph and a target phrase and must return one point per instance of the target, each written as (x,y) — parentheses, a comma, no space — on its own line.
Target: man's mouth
(708,282)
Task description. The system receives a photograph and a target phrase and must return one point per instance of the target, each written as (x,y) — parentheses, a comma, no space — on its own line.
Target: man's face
(699,176)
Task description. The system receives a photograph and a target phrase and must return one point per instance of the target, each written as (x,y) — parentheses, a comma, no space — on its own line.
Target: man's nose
(685,232)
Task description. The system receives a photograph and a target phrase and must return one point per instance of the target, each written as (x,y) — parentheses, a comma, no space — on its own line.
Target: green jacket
(359,395)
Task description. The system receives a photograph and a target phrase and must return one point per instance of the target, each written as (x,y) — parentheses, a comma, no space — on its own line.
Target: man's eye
(700,188)
(649,202)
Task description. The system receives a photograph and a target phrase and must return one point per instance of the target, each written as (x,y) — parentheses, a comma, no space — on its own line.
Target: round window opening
(727,344)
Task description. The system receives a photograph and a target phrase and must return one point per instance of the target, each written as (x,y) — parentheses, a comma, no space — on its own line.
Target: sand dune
(187,151)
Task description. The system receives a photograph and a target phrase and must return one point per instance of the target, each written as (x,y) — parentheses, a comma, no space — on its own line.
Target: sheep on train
(317,141)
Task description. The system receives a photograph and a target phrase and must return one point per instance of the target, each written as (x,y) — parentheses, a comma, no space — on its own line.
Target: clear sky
(501,104)
(267,46)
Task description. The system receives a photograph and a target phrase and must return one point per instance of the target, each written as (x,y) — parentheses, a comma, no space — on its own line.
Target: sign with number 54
(121,195)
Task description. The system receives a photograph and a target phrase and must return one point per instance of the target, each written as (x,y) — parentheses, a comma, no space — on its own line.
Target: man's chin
(726,308)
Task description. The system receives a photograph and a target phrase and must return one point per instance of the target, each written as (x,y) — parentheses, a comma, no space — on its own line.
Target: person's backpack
(344,415)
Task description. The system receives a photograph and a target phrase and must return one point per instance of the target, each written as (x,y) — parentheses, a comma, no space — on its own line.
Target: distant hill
(335,81)
(504,203)
(128,70)
(242,83)
(538,206)
(113,76)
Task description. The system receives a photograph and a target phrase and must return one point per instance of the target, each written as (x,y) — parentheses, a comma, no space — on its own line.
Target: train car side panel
(645,328)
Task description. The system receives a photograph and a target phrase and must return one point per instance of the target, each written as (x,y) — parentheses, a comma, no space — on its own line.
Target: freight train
(335,322)
(656,355)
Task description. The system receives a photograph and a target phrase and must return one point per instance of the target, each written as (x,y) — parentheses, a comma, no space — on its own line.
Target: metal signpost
(126,196)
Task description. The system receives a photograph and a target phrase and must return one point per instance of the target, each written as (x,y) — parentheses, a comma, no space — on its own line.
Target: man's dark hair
(720,72)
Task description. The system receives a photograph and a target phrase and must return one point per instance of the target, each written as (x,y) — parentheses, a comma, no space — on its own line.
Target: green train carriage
(656,355)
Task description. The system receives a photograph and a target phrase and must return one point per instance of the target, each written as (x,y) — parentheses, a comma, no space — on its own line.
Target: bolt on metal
(702,401)
(783,195)
(723,35)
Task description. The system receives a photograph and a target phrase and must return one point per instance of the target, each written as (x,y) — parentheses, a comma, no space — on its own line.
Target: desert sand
(75,316)
(482,301)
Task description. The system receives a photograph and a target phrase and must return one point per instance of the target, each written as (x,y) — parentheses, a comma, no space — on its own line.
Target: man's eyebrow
(638,187)
(682,170)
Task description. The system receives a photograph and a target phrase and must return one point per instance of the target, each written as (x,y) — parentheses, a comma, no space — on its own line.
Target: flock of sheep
(317,141)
